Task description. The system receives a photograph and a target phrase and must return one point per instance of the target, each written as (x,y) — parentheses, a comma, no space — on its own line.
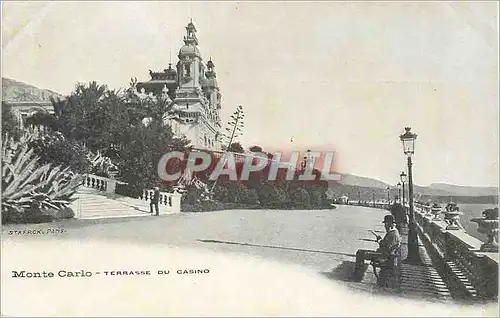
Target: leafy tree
(53,148)
(41,118)
(138,163)
(236,147)
(256,149)
(10,124)
(113,123)
(80,117)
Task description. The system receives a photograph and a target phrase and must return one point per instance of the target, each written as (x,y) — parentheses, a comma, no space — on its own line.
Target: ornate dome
(189,50)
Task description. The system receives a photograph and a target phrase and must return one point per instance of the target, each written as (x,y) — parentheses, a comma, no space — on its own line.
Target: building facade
(193,92)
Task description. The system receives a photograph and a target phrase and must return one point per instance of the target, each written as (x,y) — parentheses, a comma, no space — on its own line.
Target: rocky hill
(15,91)
(465,190)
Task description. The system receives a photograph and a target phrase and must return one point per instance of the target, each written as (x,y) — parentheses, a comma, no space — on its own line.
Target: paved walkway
(421,281)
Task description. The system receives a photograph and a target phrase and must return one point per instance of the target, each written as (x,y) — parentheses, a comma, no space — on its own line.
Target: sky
(338,76)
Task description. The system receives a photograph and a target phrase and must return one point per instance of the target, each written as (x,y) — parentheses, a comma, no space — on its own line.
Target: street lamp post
(399,190)
(403,180)
(373,197)
(408,140)
(388,197)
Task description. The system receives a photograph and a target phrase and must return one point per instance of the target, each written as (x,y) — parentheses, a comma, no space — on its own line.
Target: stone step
(91,204)
(95,217)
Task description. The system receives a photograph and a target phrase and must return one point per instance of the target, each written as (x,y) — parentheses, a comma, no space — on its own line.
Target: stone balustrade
(168,202)
(470,272)
(101,183)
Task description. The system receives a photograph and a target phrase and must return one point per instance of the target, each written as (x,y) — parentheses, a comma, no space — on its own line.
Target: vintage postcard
(249,158)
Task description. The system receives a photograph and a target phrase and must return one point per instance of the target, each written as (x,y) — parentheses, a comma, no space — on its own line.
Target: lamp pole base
(413,256)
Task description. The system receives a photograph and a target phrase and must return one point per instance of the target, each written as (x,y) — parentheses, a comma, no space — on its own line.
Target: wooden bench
(389,269)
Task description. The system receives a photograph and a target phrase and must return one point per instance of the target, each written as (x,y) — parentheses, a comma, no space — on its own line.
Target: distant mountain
(465,190)
(14,91)
(434,190)
(350,179)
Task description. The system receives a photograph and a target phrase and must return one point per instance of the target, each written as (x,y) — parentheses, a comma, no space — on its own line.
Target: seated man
(388,245)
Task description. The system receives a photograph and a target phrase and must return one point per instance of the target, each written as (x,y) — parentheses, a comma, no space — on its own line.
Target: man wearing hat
(389,245)
(154,201)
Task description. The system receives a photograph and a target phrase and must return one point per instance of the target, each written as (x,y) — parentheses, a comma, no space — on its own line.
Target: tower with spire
(194,93)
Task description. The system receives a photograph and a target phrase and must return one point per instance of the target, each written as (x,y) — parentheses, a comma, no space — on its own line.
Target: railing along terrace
(170,201)
(101,183)
(469,268)
(165,198)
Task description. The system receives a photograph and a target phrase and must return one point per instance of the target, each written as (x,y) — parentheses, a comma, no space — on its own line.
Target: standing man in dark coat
(154,201)
(398,212)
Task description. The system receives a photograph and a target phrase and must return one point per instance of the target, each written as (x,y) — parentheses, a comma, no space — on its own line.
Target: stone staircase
(93,204)
(96,199)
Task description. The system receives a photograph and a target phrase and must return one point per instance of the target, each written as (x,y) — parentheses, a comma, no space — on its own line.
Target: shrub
(249,196)
(55,149)
(130,190)
(272,196)
(300,198)
(65,213)
(317,196)
(235,192)
(221,193)
(192,196)
(34,214)
(30,189)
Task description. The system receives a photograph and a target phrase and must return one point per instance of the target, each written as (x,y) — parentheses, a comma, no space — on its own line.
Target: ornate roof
(189,50)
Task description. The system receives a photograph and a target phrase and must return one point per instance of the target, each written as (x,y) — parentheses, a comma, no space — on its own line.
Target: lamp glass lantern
(408,140)
(403,177)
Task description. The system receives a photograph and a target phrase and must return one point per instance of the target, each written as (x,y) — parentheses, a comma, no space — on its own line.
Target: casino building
(192,89)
